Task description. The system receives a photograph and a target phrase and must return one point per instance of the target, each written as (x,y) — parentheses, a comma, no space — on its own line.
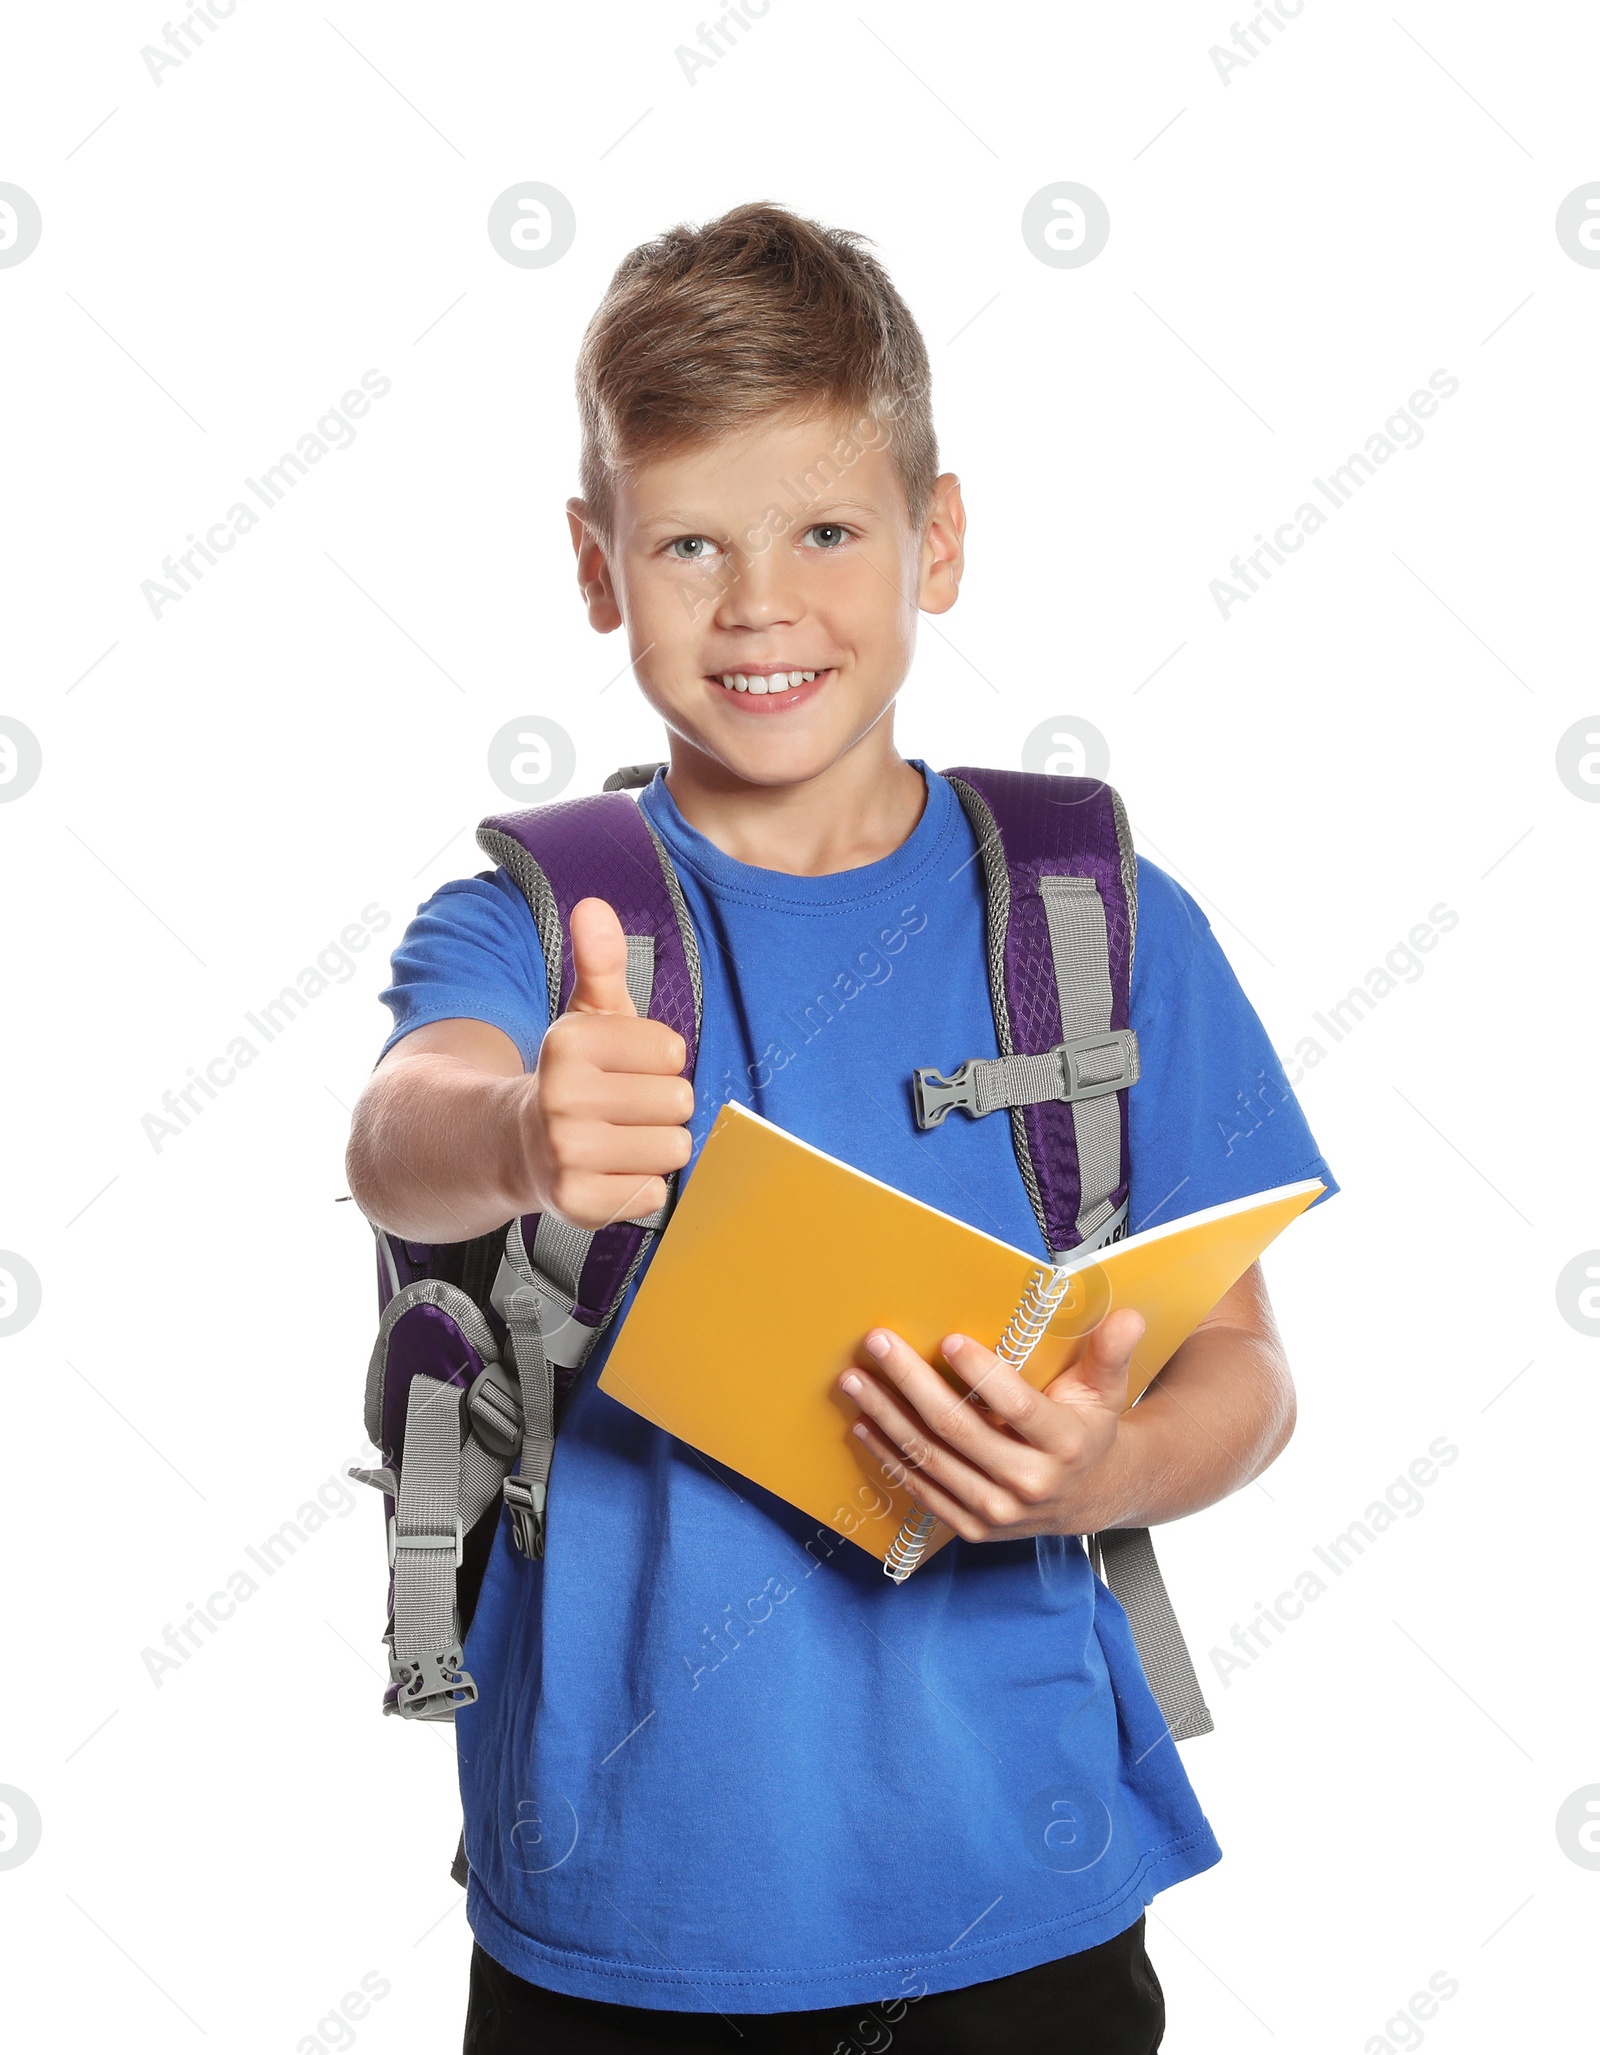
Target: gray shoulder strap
(1080,954)
(1092,1062)
(1126,1559)
(526,1492)
(425,1541)
(1075,918)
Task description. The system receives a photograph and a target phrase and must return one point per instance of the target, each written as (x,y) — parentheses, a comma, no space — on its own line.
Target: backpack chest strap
(1087,1067)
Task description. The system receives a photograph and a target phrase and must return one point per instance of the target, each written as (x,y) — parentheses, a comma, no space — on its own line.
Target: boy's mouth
(768,688)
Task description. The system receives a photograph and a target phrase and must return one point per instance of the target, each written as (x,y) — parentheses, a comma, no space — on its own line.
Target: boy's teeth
(779,681)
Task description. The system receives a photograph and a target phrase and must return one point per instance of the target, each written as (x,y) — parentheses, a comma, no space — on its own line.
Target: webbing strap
(640,974)
(1080,953)
(553,1271)
(1075,916)
(426,1533)
(641,977)
(425,1548)
(559,1251)
(482,1474)
(526,1493)
(1032,1080)
(1086,1067)
(1126,1558)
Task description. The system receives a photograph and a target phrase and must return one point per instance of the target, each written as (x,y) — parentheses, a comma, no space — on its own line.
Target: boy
(721,1790)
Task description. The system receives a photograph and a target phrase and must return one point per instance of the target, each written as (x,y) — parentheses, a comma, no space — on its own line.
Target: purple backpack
(479,1342)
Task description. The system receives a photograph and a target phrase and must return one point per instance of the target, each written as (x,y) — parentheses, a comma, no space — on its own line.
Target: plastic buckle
(1073,1053)
(430,1687)
(937,1095)
(400,1541)
(494,1411)
(526,1502)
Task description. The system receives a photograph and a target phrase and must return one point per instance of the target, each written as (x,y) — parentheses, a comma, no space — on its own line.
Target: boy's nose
(765,593)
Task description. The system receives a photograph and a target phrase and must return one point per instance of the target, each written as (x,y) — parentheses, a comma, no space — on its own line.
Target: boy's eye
(828,534)
(692,549)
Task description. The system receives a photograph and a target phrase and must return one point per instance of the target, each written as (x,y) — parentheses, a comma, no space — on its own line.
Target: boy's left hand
(1001,1461)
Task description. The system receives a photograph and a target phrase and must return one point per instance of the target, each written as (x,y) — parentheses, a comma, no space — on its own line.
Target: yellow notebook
(777,1260)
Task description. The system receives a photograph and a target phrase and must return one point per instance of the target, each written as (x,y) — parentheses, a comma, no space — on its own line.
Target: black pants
(1105,2001)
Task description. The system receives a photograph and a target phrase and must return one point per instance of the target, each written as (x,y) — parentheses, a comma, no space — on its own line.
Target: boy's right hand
(604,1112)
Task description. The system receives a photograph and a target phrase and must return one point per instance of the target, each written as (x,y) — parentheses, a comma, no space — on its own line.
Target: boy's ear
(943,546)
(594,572)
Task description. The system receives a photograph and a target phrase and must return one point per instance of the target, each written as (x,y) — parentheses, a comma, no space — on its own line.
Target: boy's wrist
(1138,1481)
(1217,1415)
(1114,1491)
(514,1116)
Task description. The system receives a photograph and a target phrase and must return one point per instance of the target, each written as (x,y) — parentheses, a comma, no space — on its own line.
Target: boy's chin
(779,754)
(784,760)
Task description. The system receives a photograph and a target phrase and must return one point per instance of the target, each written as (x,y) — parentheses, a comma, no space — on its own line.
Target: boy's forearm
(434,1150)
(1217,1415)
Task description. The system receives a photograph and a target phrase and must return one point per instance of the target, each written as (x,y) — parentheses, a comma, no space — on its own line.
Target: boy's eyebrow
(840,506)
(675,517)
(686,520)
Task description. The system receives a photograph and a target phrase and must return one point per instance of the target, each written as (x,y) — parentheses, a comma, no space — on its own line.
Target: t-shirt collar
(889,874)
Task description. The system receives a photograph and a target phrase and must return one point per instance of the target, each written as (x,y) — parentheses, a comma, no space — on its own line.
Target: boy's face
(782,550)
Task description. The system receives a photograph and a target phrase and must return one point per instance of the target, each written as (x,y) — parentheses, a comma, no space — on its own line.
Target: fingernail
(877,1345)
(852,1383)
(860,1430)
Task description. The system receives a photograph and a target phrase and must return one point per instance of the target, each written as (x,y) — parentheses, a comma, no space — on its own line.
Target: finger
(997,1388)
(632,1099)
(599,960)
(615,1042)
(1099,1378)
(914,1393)
(963,1505)
(625,1098)
(921,1457)
(599,1148)
(937,1429)
(596,1201)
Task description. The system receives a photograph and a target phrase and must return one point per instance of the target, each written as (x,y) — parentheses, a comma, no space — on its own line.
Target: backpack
(479,1343)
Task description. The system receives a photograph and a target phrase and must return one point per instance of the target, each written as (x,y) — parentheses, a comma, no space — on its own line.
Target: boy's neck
(858,810)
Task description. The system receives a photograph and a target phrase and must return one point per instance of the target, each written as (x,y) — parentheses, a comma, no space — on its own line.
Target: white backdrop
(295,749)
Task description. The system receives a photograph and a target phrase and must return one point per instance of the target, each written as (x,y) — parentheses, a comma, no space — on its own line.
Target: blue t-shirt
(719,1761)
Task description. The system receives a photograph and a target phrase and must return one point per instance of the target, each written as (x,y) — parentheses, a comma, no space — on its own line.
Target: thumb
(599,960)
(1100,1375)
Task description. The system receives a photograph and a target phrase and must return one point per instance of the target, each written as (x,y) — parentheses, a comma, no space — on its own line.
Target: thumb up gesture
(605,1116)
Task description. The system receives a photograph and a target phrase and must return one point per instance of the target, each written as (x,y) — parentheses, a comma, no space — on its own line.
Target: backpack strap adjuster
(454,1542)
(526,1500)
(1082,1067)
(494,1411)
(1093,1065)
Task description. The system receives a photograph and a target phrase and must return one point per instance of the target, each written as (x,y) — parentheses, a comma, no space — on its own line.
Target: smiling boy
(724,1786)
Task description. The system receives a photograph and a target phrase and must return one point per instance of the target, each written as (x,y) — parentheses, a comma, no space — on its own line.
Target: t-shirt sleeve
(1212,1117)
(472,953)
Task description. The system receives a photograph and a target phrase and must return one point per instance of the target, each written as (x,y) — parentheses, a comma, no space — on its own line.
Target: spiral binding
(905,1551)
(1046,1289)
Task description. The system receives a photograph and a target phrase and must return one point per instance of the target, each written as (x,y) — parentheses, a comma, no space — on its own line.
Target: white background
(303,735)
